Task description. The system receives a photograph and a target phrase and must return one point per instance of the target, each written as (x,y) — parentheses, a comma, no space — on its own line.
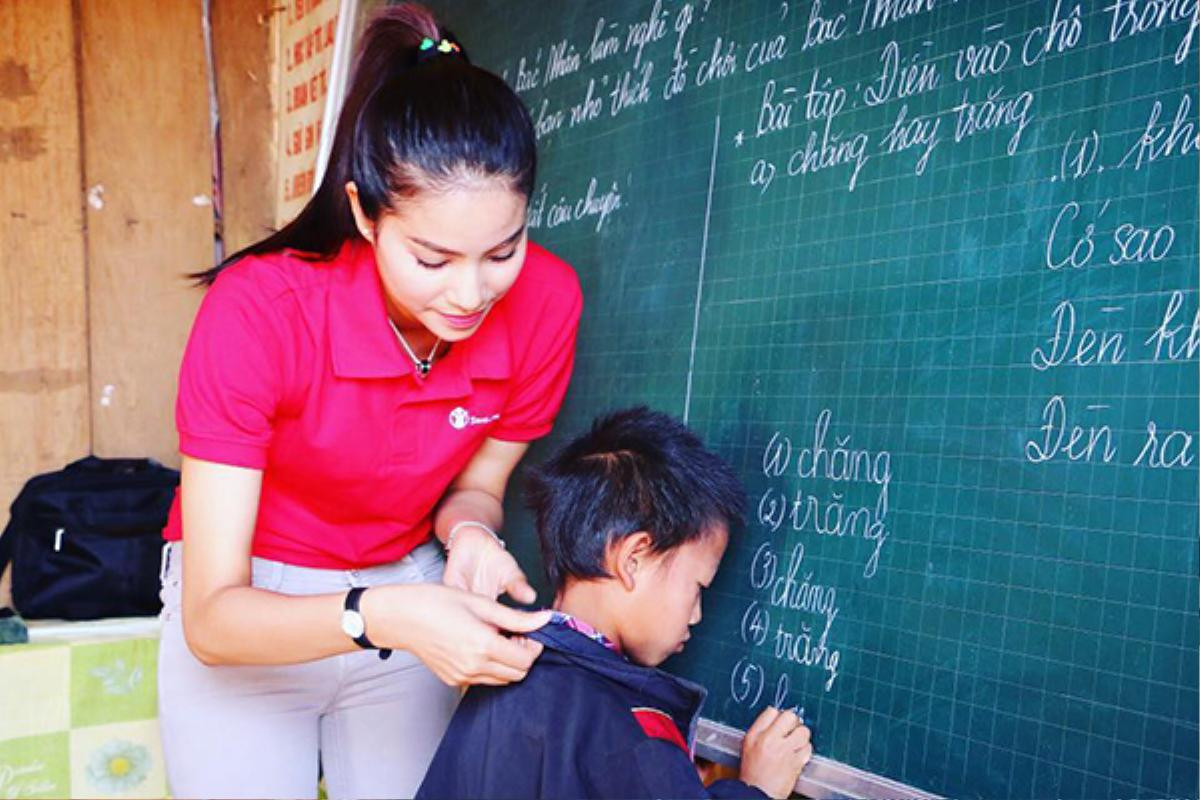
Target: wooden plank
(43,327)
(148,169)
(244,53)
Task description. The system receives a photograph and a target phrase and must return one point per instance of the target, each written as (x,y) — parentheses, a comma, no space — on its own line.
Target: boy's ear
(629,557)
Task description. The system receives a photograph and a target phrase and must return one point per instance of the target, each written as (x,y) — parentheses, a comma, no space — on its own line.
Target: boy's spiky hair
(635,470)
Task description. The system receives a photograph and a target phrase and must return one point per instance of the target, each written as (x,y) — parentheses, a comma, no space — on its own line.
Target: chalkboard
(925,272)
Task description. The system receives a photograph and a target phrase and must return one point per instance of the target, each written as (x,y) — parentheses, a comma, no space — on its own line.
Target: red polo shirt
(291,368)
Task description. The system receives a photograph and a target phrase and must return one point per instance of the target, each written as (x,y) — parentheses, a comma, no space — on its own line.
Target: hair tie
(428,49)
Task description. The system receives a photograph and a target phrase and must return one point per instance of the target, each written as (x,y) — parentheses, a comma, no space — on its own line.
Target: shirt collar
(681,698)
(579,626)
(363,345)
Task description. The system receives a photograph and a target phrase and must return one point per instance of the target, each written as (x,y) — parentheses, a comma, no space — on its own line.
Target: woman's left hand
(477,563)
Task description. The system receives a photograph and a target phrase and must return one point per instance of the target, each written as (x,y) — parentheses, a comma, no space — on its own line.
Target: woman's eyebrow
(446,251)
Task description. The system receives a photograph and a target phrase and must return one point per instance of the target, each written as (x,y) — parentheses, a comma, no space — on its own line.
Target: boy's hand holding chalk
(775,750)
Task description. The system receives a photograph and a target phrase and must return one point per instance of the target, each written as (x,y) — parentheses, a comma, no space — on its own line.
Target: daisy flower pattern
(118,766)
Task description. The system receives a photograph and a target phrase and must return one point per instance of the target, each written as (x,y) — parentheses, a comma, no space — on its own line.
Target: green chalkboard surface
(925,272)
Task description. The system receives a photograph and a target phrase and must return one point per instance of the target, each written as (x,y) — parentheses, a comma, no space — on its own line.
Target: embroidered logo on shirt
(461,418)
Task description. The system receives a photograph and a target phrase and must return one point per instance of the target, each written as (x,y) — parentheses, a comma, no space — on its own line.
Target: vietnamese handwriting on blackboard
(675,48)
(1097,334)
(813,98)
(1130,241)
(823,462)
(593,202)
(790,587)
(1061,437)
(1170,130)
(1072,343)
(810,480)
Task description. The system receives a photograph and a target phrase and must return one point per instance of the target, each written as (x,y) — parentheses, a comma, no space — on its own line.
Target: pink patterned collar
(579,626)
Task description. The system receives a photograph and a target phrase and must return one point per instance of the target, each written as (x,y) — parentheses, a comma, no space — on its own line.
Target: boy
(633,518)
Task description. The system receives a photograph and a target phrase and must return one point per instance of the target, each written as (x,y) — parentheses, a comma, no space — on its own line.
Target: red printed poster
(305,57)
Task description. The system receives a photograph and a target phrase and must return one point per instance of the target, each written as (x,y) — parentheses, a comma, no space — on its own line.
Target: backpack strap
(7,538)
(6,549)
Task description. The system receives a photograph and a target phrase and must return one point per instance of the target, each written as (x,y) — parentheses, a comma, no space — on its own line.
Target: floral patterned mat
(80,720)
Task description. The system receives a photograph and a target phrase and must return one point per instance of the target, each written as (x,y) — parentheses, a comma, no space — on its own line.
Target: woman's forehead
(468,218)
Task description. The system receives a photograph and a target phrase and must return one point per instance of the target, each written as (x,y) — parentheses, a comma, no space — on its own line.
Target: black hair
(411,121)
(635,470)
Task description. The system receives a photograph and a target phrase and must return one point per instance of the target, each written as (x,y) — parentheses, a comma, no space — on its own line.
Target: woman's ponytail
(411,121)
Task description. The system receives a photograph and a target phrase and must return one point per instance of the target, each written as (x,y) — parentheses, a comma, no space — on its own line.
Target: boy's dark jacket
(584,723)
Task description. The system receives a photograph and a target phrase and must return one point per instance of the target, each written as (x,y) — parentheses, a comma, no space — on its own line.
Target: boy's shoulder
(583,723)
(566,698)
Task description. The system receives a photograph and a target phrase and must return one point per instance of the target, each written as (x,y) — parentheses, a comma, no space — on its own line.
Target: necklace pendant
(421,365)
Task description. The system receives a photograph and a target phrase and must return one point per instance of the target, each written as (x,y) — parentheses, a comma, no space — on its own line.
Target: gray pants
(256,731)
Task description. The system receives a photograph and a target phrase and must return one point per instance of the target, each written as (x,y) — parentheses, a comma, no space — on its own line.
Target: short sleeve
(229,381)
(542,379)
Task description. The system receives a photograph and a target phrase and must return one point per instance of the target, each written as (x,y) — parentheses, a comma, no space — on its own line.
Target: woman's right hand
(459,635)
(775,750)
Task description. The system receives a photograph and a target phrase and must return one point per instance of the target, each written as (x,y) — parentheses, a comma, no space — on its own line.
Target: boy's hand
(775,750)
(477,563)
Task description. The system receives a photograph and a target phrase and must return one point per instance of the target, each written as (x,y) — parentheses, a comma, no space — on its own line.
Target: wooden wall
(148,169)
(244,47)
(106,202)
(43,282)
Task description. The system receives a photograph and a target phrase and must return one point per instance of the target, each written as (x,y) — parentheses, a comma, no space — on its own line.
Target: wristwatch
(353,624)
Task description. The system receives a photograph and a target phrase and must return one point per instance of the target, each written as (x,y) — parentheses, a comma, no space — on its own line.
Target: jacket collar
(680,698)
(363,345)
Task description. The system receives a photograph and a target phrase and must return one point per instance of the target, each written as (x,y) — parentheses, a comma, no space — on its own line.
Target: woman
(355,386)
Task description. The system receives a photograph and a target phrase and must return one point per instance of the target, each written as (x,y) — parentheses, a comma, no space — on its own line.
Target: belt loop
(266,573)
(274,574)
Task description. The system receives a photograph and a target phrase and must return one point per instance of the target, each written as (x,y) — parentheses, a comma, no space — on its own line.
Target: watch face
(352,624)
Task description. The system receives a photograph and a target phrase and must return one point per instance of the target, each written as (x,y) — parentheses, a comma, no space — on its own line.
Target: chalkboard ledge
(823,778)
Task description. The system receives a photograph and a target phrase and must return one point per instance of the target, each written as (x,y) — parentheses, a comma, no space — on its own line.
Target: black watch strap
(352,598)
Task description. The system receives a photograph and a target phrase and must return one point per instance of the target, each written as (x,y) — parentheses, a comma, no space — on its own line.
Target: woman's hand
(457,634)
(477,563)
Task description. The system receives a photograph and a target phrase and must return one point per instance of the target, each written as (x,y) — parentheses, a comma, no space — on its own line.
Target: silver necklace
(423,365)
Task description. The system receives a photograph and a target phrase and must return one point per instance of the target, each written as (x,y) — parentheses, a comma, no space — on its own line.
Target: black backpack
(86,541)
